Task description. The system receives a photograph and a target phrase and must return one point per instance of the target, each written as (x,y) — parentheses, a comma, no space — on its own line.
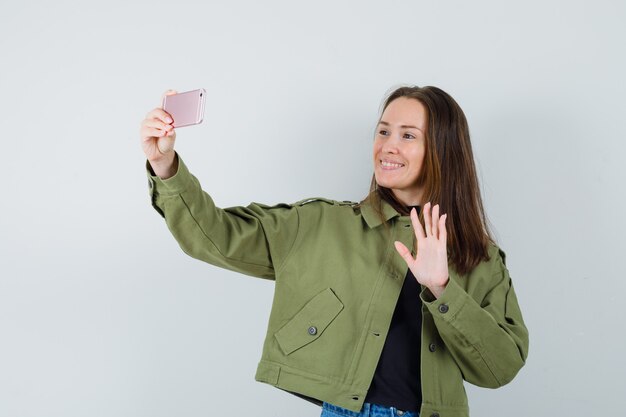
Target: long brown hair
(448,177)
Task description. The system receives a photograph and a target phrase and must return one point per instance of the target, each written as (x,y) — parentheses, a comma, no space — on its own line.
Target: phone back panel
(186,108)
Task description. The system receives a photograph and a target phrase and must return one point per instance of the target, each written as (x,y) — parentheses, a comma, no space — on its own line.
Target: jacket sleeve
(486,337)
(253,240)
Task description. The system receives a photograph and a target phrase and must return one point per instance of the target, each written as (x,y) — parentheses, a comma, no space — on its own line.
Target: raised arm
(253,240)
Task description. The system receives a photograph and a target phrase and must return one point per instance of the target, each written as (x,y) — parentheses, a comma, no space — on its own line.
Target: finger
(158,124)
(443,233)
(159,113)
(427,220)
(150,132)
(167,93)
(435,221)
(404,252)
(417,226)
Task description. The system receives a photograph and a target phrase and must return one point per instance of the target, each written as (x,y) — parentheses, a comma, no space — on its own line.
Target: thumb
(404,252)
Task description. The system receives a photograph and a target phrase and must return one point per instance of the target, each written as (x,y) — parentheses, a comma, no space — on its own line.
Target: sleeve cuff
(448,304)
(174,185)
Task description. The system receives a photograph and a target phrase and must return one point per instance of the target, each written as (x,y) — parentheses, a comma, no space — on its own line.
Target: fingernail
(168,120)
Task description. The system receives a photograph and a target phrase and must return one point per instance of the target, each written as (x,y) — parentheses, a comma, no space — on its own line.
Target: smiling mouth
(390,166)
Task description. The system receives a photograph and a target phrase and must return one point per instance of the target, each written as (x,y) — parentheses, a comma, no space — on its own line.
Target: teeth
(388,164)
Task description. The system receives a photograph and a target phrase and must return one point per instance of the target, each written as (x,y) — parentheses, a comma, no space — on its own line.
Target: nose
(390,145)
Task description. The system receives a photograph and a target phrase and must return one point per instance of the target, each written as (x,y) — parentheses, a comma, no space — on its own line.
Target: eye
(409,135)
(382,132)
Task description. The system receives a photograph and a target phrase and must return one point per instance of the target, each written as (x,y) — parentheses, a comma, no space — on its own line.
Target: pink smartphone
(186,108)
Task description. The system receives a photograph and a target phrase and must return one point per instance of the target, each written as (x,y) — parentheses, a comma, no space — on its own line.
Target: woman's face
(399,149)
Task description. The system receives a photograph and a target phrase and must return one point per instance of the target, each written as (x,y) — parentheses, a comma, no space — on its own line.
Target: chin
(385,184)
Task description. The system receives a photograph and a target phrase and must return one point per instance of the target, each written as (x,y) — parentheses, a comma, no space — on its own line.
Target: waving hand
(430,266)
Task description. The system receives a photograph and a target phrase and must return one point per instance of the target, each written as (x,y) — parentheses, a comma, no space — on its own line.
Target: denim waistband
(370,410)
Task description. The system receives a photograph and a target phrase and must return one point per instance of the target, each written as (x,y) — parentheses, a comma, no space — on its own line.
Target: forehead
(405,111)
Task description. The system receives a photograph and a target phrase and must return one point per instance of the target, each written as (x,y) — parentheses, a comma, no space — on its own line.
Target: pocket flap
(309,323)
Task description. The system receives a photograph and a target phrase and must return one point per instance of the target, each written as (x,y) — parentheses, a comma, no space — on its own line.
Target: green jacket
(337,279)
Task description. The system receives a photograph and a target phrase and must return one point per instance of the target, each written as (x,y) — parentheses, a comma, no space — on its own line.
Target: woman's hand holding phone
(157,140)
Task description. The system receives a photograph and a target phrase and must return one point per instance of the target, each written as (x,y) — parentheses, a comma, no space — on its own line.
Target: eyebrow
(382,122)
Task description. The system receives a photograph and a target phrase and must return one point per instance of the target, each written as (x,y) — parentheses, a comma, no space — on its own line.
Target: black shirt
(396,382)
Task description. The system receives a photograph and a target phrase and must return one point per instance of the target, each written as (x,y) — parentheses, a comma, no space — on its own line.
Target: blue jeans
(368,410)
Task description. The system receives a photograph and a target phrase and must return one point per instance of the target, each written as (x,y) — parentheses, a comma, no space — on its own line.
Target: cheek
(417,156)
(376,148)
(418,153)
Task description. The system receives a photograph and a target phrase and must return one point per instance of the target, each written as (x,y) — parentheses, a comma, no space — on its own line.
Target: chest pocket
(310,322)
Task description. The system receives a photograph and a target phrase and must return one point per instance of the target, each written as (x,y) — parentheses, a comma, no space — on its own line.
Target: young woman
(381,307)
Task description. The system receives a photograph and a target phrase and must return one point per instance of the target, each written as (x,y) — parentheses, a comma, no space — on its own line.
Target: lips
(390,165)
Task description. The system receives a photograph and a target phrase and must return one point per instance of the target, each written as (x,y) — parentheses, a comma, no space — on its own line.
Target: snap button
(443,308)
(432,347)
(312,330)
(400,412)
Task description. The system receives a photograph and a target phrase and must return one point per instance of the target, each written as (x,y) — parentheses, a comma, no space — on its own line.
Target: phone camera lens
(200,94)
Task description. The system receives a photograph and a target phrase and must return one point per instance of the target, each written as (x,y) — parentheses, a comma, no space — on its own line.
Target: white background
(102,314)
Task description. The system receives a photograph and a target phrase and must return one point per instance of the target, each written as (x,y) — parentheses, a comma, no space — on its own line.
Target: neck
(408,198)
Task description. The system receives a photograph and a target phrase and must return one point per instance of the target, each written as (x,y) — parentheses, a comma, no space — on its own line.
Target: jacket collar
(371,217)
